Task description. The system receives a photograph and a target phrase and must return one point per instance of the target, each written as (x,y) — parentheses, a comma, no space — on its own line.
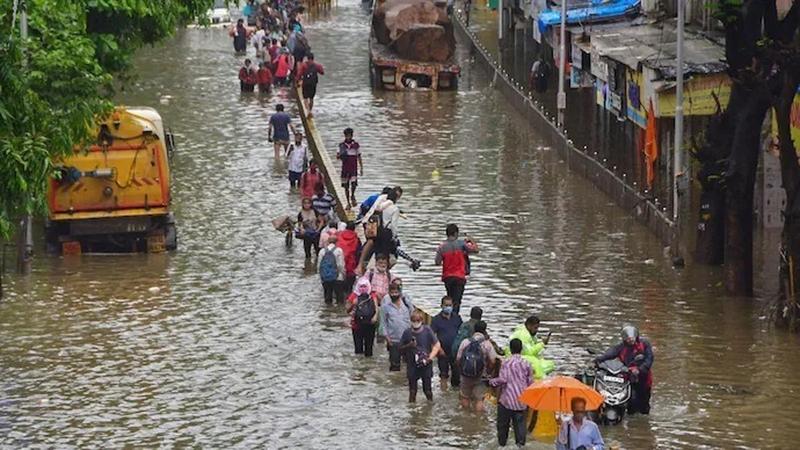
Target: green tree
(54,84)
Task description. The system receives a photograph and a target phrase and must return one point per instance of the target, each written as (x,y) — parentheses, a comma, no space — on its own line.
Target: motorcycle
(612,379)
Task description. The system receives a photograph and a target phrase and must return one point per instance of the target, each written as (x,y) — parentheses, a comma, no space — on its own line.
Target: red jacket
(452,255)
(349,243)
(264,76)
(303,67)
(247,76)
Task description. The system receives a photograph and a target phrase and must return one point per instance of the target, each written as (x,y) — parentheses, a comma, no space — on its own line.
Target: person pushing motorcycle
(637,354)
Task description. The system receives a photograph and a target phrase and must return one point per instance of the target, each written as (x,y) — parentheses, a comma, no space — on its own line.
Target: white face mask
(416,325)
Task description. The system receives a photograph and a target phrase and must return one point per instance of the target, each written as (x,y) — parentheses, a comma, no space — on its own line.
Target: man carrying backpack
(362,305)
(421,346)
(476,358)
(331,269)
(308,76)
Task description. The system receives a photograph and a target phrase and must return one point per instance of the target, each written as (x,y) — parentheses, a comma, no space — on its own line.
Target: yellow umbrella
(556,394)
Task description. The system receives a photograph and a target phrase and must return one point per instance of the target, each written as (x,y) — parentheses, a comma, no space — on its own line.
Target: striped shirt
(515,377)
(323,205)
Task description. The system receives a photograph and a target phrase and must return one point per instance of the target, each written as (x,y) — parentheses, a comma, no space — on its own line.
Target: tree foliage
(54,83)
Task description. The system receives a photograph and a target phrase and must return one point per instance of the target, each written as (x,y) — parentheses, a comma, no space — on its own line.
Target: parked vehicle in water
(219,13)
(611,379)
(412,46)
(113,194)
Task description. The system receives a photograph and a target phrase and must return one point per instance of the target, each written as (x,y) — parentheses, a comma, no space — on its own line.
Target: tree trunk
(713,155)
(739,182)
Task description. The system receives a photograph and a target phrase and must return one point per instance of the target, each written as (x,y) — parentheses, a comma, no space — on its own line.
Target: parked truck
(412,46)
(113,195)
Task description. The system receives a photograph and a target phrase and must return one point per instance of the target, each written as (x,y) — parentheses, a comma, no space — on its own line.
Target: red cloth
(247,76)
(264,76)
(628,353)
(308,181)
(282,66)
(349,243)
(303,67)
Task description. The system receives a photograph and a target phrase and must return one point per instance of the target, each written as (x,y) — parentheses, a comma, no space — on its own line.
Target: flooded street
(227,343)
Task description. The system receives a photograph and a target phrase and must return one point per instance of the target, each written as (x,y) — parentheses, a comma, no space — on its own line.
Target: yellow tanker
(114,195)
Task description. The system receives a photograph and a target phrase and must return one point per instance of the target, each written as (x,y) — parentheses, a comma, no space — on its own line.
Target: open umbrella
(556,393)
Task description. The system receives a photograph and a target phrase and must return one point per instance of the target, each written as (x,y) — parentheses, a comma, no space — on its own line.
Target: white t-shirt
(258,39)
(297,157)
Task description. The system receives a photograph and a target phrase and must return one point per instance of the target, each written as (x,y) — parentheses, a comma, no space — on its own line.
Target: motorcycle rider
(637,354)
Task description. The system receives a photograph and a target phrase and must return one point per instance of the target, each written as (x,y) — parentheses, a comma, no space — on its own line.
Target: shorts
(309,90)
(347,180)
(281,141)
(472,389)
(294,177)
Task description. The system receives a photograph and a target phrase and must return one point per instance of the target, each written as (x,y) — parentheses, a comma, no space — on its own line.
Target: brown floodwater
(227,343)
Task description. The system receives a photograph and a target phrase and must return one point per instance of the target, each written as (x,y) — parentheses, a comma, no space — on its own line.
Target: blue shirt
(280,126)
(446,329)
(587,435)
(396,319)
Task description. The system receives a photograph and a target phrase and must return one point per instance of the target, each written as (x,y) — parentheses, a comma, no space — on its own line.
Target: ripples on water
(226,343)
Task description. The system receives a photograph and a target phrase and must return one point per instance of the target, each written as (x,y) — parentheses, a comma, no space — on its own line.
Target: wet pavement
(227,343)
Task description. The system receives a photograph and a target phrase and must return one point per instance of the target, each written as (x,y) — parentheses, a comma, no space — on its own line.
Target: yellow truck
(113,195)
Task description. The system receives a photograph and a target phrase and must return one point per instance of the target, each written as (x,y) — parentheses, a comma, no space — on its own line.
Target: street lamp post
(561,99)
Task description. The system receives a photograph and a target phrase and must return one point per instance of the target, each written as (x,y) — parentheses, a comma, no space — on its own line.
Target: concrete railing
(619,189)
(323,159)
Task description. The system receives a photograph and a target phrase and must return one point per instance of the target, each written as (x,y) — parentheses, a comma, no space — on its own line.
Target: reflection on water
(227,341)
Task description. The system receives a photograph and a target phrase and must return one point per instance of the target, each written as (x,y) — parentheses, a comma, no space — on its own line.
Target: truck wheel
(170,233)
(170,237)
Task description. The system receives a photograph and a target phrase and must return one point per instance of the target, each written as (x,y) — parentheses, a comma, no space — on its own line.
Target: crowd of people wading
(357,274)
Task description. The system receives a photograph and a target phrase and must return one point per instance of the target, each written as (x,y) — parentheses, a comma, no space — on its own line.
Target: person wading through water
(278,131)
(420,346)
(362,305)
(453,256)
(395,319)
(446,325)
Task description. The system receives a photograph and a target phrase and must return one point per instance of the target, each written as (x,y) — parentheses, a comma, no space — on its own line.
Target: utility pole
(25,241)
(678,170)
(561,99)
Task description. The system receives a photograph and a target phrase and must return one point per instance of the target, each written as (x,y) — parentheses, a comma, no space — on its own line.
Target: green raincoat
(531,350)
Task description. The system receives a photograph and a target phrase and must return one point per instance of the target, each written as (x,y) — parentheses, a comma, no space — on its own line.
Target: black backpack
(311,76)
(365,309)
(472,359)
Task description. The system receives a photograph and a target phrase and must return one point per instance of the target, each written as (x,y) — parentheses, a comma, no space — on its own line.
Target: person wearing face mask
(445,325)
(395,319)
(421,346)
(637,354)
(579,433)
(532,346)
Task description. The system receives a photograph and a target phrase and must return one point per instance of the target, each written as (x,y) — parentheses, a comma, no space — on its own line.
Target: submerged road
(227,343)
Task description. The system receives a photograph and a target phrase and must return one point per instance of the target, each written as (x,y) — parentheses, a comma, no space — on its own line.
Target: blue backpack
(472,359)
(327,267)
(366,205)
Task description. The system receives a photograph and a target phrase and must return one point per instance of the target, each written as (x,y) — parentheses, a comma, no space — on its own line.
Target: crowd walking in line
(355,257)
